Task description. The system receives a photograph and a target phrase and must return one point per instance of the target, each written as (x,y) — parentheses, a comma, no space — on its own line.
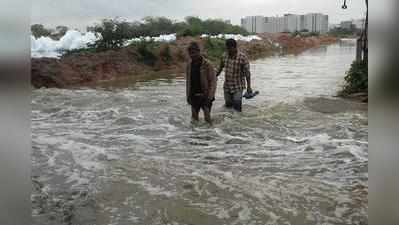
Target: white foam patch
(223,214)
(47,47)
(154,190)
(162,38)
(272,143)
(237,37)
(84,155)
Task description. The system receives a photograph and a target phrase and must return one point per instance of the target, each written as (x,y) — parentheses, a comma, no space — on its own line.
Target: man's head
(231,46)
(194,51)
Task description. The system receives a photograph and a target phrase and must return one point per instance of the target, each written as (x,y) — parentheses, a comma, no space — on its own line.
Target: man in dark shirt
(200,83)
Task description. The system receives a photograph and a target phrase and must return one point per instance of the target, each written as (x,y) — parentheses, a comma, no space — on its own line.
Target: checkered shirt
(236,69)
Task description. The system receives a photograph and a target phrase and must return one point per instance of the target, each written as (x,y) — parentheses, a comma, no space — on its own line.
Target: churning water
(128,154)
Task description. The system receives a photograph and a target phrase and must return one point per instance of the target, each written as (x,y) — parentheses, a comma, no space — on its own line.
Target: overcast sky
(80,13)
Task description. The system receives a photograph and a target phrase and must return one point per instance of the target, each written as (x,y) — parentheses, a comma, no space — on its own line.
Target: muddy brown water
(126,153)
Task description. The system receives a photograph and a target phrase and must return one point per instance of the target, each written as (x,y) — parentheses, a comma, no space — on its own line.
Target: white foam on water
(358,152)
(51,160)
(47,47)
(223,214)
(84,155)
(245,212)
(161,38)
(237,37)
(271,143)
(154,190)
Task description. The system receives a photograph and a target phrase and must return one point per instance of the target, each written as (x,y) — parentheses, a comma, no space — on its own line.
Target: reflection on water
(129,154)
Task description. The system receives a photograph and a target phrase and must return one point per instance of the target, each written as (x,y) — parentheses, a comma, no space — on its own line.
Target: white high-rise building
(254,24)
(316,22)
(313,22)
(292,22)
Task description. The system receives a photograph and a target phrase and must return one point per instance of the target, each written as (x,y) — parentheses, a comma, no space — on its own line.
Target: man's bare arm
(247,72)
(221,66)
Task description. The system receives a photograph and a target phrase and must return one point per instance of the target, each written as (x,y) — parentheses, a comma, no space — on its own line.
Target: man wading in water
(200,83)
(237,71)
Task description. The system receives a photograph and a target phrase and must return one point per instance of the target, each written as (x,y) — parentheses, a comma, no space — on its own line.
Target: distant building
(333,26)
(253,24)
(292,22)
(350,24)
(359,24)
(274,24)
(313,22)
(346,25)
(316,22)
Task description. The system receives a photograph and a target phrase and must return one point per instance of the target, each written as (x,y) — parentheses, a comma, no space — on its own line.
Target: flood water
(127,153)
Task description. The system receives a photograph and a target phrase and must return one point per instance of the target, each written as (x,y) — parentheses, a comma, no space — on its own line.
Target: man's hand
(189,101)
(209,100)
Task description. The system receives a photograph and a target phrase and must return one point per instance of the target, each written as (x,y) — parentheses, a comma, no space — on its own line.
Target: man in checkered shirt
(237,75)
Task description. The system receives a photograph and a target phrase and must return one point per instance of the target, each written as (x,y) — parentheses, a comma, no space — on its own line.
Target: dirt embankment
(86,68)
(298,44)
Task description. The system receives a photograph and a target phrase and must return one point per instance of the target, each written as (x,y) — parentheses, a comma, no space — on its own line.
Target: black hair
(193,46)
(231,43)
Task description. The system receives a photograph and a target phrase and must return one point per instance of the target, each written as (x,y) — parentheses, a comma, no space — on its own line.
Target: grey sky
(79,14)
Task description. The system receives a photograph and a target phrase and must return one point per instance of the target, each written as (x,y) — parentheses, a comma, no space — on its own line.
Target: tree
(38,30)
(195,25)
(113,33)
(61,30)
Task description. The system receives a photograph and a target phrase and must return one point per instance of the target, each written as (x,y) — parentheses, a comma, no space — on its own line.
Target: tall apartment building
(292,23)
(316,22)
(274,24)
(253,24)
(313,22)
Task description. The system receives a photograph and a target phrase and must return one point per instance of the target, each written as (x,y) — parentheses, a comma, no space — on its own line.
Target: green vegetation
(165,54)
(194,26)
(38,30)
(112,34)
(114,31)
(214,48)
(79,51)
(356,78)
(146,52)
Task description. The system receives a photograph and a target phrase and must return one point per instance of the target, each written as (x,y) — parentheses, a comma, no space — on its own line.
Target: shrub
(214,48)
(180,55)
(296,33)
(79,51)
(356,78)
(186,32)
(315,34)
(38,30)
(112,32)
(165,54)
(146,52)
